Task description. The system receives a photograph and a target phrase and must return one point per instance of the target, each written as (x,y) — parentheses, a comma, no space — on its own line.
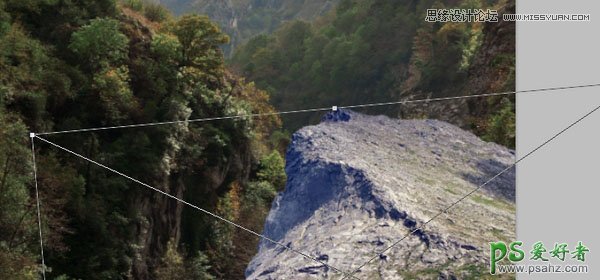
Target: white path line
(315,109)
(37,199)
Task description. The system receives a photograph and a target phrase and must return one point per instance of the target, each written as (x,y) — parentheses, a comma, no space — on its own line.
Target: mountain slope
(354,187)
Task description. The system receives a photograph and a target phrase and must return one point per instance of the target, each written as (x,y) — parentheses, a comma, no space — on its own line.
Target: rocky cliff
(358,183)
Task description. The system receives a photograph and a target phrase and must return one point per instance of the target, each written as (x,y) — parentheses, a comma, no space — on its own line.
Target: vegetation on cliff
(76,64)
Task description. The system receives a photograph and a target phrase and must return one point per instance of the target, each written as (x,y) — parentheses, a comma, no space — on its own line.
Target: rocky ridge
(358,183)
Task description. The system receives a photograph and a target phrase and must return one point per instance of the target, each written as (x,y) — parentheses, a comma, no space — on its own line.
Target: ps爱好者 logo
(515,253)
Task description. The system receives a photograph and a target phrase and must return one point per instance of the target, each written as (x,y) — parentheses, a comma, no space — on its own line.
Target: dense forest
(75,64)
(92,63)
(244,19)
(378,51)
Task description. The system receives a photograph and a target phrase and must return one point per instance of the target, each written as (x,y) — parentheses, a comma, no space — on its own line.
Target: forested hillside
(379,51)
(77,64)
(243,19)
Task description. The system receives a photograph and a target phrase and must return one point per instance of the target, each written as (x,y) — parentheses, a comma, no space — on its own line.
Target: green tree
(272,170)
(100,42)
(167,48)
(199,268)
(174,266)
(112,85)
(200,41)
(17,217)
(259,194)
(501,126)
(4,20)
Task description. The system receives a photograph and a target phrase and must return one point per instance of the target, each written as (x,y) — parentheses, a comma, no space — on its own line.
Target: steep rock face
(493,68)
(358,183)
(160,218)
(491,71)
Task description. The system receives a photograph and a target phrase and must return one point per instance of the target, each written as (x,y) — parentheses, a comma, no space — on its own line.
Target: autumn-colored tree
(175,267)
(200,41)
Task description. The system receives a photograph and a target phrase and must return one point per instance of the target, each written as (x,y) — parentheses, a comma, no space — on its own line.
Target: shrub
(156,12)
(501,126)
(272,170)
(136,5)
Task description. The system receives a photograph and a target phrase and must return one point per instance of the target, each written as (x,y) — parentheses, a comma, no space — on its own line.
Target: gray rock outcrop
(358,183)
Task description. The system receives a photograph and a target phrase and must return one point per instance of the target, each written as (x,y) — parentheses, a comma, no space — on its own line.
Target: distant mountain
(357,184)
(243,19)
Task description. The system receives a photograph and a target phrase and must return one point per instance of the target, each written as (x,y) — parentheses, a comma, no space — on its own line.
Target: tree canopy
(100,41)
